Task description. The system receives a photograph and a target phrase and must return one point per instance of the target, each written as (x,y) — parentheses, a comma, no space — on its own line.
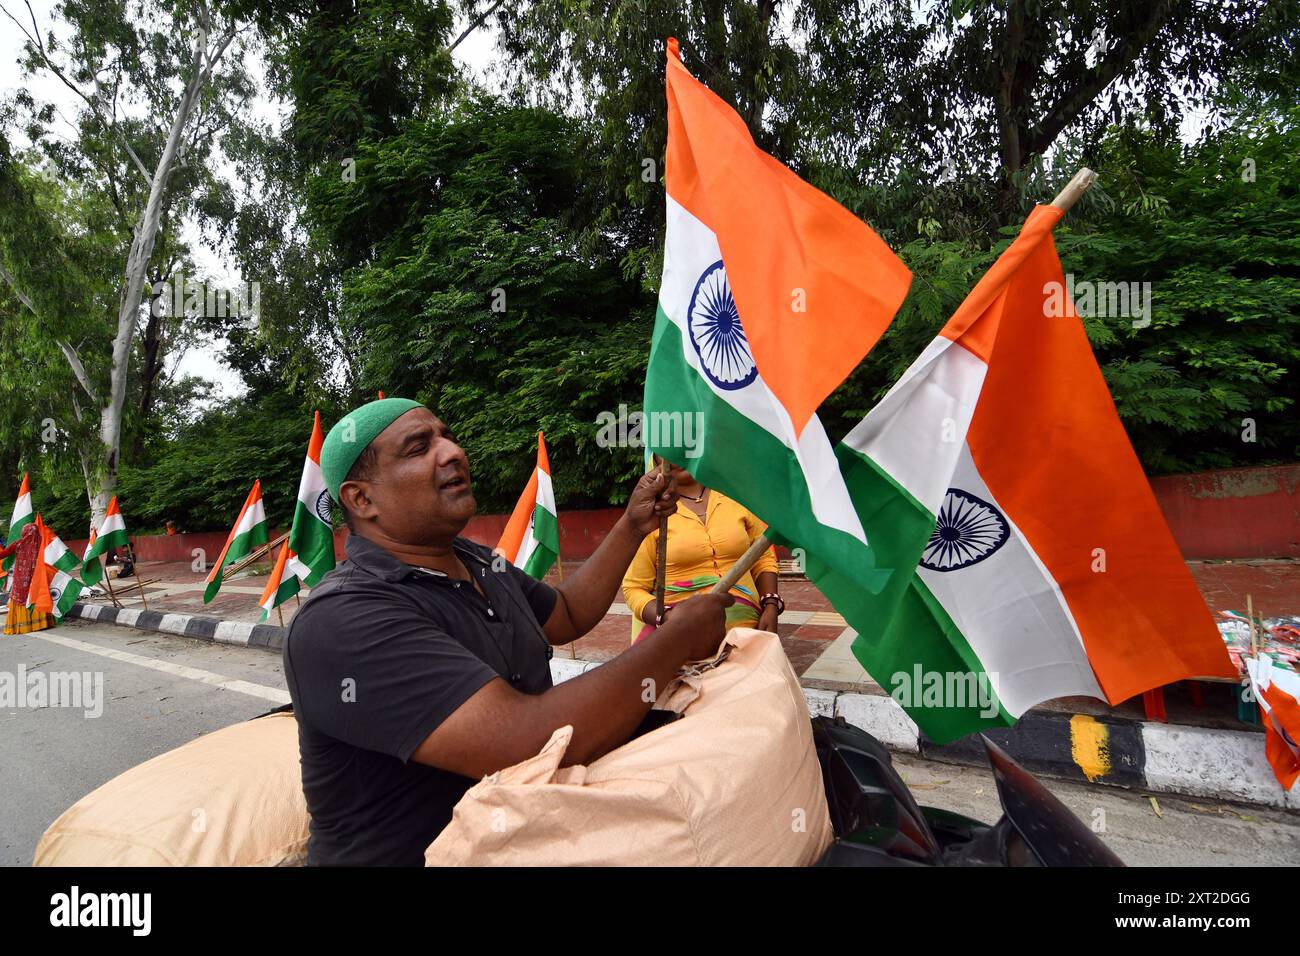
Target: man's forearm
(606,704)
(589,592)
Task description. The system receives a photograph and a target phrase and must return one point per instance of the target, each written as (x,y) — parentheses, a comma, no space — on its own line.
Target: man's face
(420,487)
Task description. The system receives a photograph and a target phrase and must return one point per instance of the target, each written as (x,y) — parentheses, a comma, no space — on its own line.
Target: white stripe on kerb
(233,632)
(690,247)
(274,694)
(1013,616)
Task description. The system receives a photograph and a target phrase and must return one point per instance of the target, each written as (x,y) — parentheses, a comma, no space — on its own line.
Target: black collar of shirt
(380,562)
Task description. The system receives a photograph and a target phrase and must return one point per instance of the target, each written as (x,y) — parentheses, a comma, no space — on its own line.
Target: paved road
(159,692)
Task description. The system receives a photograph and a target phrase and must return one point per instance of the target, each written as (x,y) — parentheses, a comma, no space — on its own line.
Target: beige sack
(230,798)
(735,782)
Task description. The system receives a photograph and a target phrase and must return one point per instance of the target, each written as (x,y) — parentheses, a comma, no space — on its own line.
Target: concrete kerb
(1161,758)
(195,626)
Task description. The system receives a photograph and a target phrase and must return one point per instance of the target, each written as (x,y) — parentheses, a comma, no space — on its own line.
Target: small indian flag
(311,538)
(1277,690)
(998,468)
(53,588)
(59,555)
(22,516)
(284,582)
(771,294)
(92,572)
(248,534)
(112,534)
(531,541)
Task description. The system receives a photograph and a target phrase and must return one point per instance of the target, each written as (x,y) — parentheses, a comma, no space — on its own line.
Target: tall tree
(165,57)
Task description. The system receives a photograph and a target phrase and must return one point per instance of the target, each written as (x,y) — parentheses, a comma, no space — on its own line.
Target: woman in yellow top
(706,536)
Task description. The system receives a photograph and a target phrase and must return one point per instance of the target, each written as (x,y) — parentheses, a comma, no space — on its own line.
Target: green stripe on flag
(771,483)
(244,545)
(904,626)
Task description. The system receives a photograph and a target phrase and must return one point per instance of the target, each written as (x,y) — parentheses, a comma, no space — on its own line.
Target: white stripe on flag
(691,247)
(1013,615)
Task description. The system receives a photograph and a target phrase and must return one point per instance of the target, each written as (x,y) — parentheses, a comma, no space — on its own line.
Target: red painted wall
(1232,513)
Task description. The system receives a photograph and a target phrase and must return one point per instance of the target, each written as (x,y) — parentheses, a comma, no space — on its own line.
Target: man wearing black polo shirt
(420,664)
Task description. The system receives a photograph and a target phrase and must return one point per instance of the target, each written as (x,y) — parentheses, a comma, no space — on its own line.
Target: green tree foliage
(471,288)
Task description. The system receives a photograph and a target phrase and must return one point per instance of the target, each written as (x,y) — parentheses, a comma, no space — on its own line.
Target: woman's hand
(650,613)
(766,620)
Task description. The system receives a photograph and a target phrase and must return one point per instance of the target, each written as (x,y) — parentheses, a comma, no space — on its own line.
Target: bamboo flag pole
(135,566)
(661,564)
(559,570)
(108,581)
(1076,187)
(1079,184)
(261,551)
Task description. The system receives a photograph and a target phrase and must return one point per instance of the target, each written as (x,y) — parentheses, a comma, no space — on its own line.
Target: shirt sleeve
(373,672)
(640,576)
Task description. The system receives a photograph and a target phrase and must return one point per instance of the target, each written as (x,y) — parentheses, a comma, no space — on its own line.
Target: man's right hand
(698,624)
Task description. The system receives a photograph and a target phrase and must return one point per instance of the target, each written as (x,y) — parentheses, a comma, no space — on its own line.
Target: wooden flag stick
(754,552)
(135,566)
(661,564)
(108,581)
(1075,188)
(559,570)
(281,614)
(258,552)
(1250,616)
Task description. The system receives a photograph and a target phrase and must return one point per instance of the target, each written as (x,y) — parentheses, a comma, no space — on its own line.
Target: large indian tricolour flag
(1044,568)
(771,295)
(531,540)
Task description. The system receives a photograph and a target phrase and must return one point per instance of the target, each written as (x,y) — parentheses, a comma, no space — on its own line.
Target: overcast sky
(475,53)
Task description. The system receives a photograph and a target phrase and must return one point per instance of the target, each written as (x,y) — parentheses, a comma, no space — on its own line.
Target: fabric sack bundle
(734,782)
(229,798)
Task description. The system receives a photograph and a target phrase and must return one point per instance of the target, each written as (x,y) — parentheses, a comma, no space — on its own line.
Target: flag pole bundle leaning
(248,534)
(309,552)
(771,295)
(531,540)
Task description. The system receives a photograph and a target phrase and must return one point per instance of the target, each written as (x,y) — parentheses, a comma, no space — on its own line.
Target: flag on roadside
(92,572)
(248,534)
(531,541)
(54,586)
(284,582)
(771,294)
(57,554)
(22,516)
(1277,691)
(111,534)
(311,538)
(998,468)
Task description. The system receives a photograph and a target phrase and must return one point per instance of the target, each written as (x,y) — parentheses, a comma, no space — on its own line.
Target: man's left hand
(654,497)
(767,619)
